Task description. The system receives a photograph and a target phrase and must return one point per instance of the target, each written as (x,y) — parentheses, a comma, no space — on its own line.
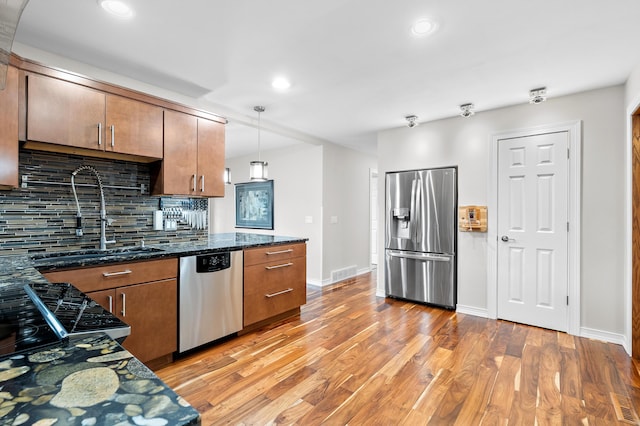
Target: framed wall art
(254,205)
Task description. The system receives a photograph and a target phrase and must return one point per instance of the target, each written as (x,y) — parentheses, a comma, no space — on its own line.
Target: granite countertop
(25,267)
(91,380)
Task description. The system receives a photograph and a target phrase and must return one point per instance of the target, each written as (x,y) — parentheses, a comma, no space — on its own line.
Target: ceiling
(355,66)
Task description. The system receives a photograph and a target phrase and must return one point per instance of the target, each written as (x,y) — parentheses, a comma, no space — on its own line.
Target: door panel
(532,230)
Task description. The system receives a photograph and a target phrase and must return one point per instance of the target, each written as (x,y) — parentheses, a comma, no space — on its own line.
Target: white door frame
(574,128)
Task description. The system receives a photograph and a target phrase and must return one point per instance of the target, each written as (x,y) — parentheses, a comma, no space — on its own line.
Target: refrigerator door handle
(419,256)
(412,216)
(419,227)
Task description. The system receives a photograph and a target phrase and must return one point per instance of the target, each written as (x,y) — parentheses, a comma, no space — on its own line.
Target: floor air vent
(344,273)
(624,409)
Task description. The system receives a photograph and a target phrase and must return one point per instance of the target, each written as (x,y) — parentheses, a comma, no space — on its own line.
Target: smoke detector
(466,110)
(411,120)
(537,96)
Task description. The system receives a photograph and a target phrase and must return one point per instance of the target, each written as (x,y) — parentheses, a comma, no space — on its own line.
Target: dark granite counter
(93,380)
(213,243)
(90,380)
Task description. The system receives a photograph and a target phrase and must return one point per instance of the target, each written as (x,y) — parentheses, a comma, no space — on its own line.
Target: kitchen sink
(79,255)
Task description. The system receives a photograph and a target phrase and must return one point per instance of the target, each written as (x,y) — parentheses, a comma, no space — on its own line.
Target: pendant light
(258,169)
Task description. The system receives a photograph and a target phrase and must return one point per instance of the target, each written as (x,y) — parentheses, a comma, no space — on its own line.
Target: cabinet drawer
(259,255)
(116,275)
(272,288)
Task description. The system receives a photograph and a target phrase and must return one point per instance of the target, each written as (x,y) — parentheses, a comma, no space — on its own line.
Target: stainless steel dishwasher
(210,298)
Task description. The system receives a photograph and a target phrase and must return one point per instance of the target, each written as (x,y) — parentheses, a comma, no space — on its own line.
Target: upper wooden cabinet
(72,115)
(133,127)
(193,157)
(9,131)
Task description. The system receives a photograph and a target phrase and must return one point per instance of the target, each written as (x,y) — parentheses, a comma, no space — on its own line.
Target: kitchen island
(89,380)
(92,379)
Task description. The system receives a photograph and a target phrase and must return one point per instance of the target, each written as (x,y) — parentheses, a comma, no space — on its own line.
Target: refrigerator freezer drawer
(421,277)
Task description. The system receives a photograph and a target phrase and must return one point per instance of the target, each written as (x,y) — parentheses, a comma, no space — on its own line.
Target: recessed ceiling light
(280,83)
(423,27)
(117,8)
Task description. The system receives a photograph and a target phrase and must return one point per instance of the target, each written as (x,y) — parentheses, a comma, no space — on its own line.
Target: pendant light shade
(258,168)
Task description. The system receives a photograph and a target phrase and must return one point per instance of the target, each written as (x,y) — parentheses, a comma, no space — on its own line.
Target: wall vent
(344,273)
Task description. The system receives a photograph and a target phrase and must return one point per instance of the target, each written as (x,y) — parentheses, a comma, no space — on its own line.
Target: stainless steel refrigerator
(420,240)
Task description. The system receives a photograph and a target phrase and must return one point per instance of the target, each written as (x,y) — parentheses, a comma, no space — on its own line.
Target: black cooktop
(36,315)
(77,312)
(25,323)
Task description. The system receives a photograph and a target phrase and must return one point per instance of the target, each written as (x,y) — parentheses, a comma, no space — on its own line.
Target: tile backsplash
(42,216)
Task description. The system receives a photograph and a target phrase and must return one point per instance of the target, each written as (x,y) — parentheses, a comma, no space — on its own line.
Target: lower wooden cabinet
(275,281)
(149,307)
(150,310)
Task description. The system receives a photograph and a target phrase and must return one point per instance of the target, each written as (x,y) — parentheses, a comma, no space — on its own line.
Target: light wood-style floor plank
(353,358)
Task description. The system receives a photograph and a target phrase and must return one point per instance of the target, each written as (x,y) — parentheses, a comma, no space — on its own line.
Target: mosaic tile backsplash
(42,216)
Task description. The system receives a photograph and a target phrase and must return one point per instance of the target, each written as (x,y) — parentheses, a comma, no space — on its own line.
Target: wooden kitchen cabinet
(193,162)
(78,119)
(274,282)
(9,131)
(150,310)
(142,294)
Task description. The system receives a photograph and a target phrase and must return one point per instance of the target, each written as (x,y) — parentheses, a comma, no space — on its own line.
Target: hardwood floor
(353,358)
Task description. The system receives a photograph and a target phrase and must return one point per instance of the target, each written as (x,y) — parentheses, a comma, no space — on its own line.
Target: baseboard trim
(605,336)
(472,310)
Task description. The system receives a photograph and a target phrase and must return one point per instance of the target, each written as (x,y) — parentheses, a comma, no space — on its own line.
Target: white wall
(465,143)
(297,192)
(346,198)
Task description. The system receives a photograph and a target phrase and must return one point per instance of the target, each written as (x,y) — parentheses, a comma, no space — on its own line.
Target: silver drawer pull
(284,265)
(124,305)
(269,253)
(289,290)
(115,274)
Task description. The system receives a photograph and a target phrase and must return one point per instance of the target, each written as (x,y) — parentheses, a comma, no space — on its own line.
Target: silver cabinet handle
(124,305)
(202,183)
(269,253)
(195,178)
(113,136)
(289,290)
(110,298)
(284,265)
(115,274)
(99,134)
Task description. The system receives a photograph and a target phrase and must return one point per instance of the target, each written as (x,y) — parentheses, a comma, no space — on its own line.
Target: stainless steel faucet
(103,210)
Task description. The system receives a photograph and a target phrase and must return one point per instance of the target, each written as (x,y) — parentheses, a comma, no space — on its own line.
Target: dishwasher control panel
(213,262)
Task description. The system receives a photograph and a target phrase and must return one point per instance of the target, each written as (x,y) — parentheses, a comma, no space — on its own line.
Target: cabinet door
(64,113)
(134,127)
(152,312)
(9,131)
(210,158)
(179,167)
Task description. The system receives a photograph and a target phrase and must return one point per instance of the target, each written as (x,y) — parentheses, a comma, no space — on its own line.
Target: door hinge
(567,300)
(568,150)
(567,226)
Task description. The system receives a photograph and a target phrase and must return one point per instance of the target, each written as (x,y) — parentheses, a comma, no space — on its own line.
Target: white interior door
(532,229)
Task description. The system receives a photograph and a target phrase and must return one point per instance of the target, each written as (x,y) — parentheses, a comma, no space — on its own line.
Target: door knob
(506,239)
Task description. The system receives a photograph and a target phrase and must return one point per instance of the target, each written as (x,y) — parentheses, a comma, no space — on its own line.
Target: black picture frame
(254,205)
